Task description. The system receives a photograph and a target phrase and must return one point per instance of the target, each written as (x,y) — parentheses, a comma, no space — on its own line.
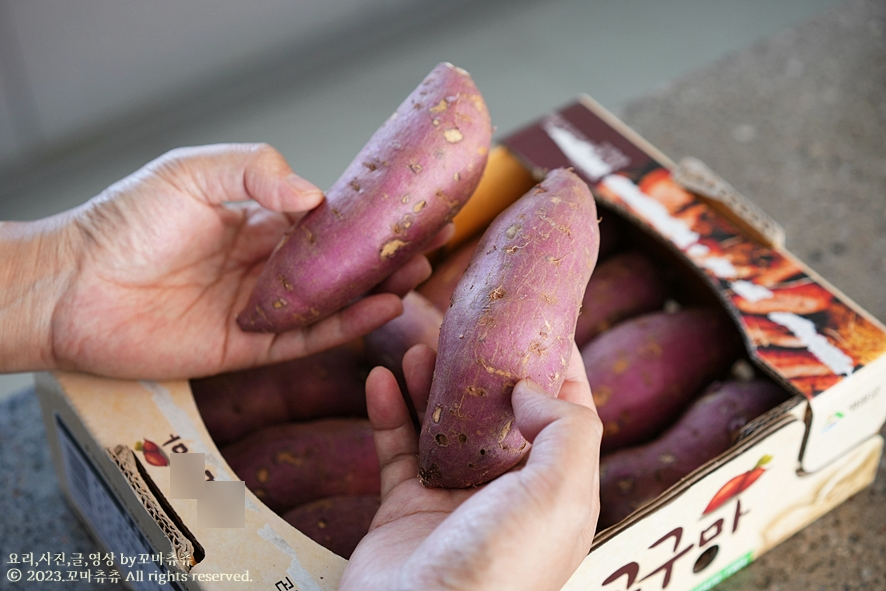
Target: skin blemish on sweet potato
(391,247)
(611,428)
(462,438)
(415,167)
(621,365)
(309,236)
(651,346)
(279,303)
(286,285)
(475,391)
(513,231)
(336,213)
(441,440)
(453,135)
(262,475)
(435,122)
(355,185)
(496,294)
(372,166)
(439,107)
(505,430)
(667,458)
(437,412)
(625,485)
(486,320)
(456,177)
(286,457)
(419,206)
(601,395)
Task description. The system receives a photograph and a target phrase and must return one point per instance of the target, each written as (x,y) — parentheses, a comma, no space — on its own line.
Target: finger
(535,411)
(396,443)
(442,237)
(576,388)
(407,277)
(563,463)
(356,320)
(242,172)
(418,369)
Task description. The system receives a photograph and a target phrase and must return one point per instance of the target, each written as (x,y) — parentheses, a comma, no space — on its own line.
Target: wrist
(37,264)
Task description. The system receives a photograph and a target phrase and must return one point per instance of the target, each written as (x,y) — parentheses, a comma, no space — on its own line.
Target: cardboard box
(823,442)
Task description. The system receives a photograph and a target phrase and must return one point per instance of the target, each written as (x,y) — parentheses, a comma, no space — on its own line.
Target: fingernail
(534,387)
(305,187)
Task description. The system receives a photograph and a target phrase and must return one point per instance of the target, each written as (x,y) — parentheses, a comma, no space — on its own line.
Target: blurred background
(90,90)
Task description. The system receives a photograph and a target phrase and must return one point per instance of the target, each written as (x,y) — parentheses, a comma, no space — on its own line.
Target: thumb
(243,172)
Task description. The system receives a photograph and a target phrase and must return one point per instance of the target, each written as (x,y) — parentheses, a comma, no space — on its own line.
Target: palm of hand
(165,261)
(168,274)
(477,538)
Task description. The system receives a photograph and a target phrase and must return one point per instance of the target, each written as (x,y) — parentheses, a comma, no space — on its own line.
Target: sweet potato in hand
(409,180)
(512,317)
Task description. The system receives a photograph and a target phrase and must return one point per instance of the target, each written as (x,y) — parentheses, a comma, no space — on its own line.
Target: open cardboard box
(823,441)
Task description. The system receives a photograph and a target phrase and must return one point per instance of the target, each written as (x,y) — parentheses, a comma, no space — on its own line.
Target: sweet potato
(645,371)
(439,286)
(411,178)
(512,317)
(336,523)
(633,476)
(295,463)
(328,384)
(625,285)
(419,324)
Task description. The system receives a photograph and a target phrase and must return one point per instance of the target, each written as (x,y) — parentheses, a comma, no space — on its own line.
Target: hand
(528,529)
(157,266)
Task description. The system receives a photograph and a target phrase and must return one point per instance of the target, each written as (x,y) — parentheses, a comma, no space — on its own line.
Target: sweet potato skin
(633,476)
(336,523)
(295,463)
(623,286)
(646,370)
(328,384)
(412,177)
(512,317)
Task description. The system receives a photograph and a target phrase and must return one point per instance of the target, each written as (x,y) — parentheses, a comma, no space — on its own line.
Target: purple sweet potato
(439,286)
(336,523)
(512,317)
(410,179)
(646,370)
(328,384)
(623,286)
(633,476)
(295,463)
(418,324)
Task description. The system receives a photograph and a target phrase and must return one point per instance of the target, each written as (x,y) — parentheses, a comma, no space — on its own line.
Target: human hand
(164,259)
(528,529)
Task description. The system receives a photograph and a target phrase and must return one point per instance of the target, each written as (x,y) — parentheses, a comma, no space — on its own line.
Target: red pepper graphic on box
(737,484)
(153,454)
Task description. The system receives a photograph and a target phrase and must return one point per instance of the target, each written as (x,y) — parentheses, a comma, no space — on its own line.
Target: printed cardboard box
(821,445)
